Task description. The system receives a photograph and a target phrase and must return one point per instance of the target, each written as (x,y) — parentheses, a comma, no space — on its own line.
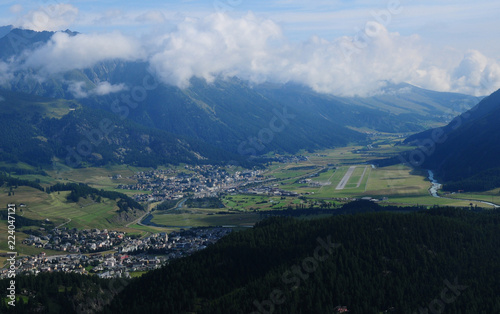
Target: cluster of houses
(130,254)
(112,265)
(200,181)
(291,159)
(77,241)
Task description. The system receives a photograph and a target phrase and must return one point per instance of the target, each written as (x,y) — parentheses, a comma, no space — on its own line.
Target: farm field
(315,180)
(200,219)
(99,178)
(84,214)
(242,202)
(492,196)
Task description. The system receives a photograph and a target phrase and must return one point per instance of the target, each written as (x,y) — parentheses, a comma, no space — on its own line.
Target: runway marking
(346,178)
(362,176)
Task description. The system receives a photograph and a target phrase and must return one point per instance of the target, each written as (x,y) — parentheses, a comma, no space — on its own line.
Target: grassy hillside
(33,107)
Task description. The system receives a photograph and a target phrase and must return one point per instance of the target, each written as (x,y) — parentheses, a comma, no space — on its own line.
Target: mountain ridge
(468,146)
(230,114)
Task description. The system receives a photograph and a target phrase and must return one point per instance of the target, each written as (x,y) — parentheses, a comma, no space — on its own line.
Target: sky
(342,47)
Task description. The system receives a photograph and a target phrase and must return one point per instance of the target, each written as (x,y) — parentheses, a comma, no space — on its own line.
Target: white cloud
(217,45)
(49,18)
(255,49)
(105,88)
(77,89)
(16,8)
(5,72)
(64,52)
(111,17)
(80,89)
(475,74)
(2,99)
(151,17)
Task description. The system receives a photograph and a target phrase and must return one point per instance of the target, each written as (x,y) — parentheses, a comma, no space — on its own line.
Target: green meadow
(206,219)
(315,180)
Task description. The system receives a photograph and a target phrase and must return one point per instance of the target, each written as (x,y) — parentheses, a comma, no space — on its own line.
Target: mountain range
(155,123)
(465,152)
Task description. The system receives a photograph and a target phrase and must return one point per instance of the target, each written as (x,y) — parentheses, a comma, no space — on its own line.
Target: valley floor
(324,179)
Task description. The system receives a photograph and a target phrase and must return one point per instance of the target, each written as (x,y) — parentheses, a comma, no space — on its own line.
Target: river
(436,186)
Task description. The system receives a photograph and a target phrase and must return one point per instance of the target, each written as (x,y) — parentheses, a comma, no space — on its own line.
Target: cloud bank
(255,49)
(64,52)
(47,18)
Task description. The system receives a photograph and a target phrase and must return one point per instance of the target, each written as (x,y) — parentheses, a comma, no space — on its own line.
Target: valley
(198,191)
(308,180)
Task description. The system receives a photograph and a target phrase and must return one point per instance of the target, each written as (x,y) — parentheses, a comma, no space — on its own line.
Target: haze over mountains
(128,124)
(228,118)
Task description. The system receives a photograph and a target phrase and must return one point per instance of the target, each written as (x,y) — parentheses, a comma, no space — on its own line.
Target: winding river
(435,185)
(433,190)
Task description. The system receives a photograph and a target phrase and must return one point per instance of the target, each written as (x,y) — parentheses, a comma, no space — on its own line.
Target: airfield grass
(351,189)
(325,176)
(341,155)
(288,172)
(398,183)
(355,177)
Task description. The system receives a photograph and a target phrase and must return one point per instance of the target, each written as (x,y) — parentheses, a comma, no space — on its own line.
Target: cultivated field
(315,180)
(206,219)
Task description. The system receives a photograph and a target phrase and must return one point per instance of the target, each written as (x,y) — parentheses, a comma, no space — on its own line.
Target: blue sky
(454,43)
(462,24)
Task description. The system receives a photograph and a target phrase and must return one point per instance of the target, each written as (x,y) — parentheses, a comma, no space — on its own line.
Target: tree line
(82,190)
(15,182)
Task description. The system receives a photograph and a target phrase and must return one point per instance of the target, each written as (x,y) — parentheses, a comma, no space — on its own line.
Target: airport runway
(346,178)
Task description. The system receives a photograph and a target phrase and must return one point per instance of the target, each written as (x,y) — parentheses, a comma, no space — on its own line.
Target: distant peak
(4,30)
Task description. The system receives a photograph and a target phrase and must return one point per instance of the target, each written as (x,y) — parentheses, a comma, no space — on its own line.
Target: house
(340,309)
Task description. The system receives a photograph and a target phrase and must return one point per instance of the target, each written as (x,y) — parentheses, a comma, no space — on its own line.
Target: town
(121,254)
(199,181)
